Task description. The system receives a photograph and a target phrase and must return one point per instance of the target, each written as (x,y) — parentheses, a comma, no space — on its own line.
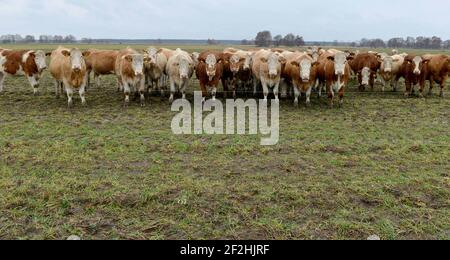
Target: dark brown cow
(22,62)
(209,72)
(334,71)
(437,70)
(365,66)
(412,71)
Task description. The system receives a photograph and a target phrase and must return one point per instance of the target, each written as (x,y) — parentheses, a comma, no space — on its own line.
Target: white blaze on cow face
(183,67)
(365,74)
(76,59)
(152,55)
(340,60)
(211,62)
(417,61)
(387,64)
(234,64)
(273,63)
(137,64)
(305,69)
(40,60)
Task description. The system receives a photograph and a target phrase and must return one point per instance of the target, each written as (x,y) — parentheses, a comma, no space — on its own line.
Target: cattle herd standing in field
(282,72)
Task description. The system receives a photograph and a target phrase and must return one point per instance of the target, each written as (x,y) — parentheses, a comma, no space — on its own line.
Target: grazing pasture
(380,165)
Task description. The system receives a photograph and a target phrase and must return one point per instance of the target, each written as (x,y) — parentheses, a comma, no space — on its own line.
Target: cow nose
(417,72)
(76,69)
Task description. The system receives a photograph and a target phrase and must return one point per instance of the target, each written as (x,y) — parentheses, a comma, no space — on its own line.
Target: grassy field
(380,165)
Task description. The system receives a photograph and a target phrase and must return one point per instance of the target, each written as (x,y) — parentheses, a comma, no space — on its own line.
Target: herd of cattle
(285,72)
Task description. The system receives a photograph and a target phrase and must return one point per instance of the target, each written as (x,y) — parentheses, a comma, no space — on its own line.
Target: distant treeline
(262,39)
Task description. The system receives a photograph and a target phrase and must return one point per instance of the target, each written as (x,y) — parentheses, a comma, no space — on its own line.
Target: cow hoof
(406,95)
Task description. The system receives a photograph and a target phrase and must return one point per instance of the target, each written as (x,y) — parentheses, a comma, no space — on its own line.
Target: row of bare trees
(420,42)
(265,39)
(16,38)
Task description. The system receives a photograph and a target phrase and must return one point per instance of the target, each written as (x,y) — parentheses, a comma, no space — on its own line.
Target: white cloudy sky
(227,19)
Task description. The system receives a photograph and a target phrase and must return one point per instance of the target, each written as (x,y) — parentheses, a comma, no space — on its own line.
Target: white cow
(180,68)
(266,69)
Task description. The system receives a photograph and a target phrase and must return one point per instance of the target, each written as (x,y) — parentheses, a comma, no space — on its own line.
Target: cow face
(305,69)
(365,75)
(152,56)
(211,62)
(274,62)
(40,59)
(388,62)
(235,62)
(183,67)
(137,63)
(417,63)
(76,59)
(248,61)
(195,56)
(340,61)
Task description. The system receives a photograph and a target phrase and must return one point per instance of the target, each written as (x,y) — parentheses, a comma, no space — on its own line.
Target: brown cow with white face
(366,66)
(301,71)
(334,71)
(68,68)
(209,72)
(130,73)
(412,71)
(27,63)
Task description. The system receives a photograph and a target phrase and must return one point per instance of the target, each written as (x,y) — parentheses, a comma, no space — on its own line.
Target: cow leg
(142,91)
(119,84)
(430,92)
(183,89)
(126,91)
(297,95)
(408,88)
(34,84)
(214,93)
(82,93)
(265,89)
(372,82)
(330,94)
(172,90)
(255,86)
(308,96)
(2,79)
(69,91)
(57,89)
(276,90)
(341,96)
(444,80)
(97,79)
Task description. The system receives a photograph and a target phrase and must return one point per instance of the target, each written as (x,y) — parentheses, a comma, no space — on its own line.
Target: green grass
(378,166)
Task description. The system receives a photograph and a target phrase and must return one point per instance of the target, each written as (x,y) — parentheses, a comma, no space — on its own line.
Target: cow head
(183,65)
(387,63)
(211,62)
(274,62)
(417,63)
(248,61)
(137,63)
(305,66)
(76,59)
(340,61)
(195,56)
(235,63)
(365,75)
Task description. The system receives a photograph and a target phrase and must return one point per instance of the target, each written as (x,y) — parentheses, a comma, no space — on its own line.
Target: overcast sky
(345,20)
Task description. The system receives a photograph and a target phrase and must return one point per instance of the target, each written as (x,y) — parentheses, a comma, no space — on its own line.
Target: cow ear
(159,51)
(264,60)
(48,54)
(295,63)
(316,63)
(128,58)
(65,53)
(350,58)
(86,53)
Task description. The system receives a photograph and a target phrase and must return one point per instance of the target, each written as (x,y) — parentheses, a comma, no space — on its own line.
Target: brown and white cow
(129,69)
(334,71)
(237,69)
(100,62)
(68,68)
(29,63)
(155,63)
(210,73)
(389,69)
(267,68)
(180,68)
(301,71)
(437,71)
(366,66)
(412,71)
